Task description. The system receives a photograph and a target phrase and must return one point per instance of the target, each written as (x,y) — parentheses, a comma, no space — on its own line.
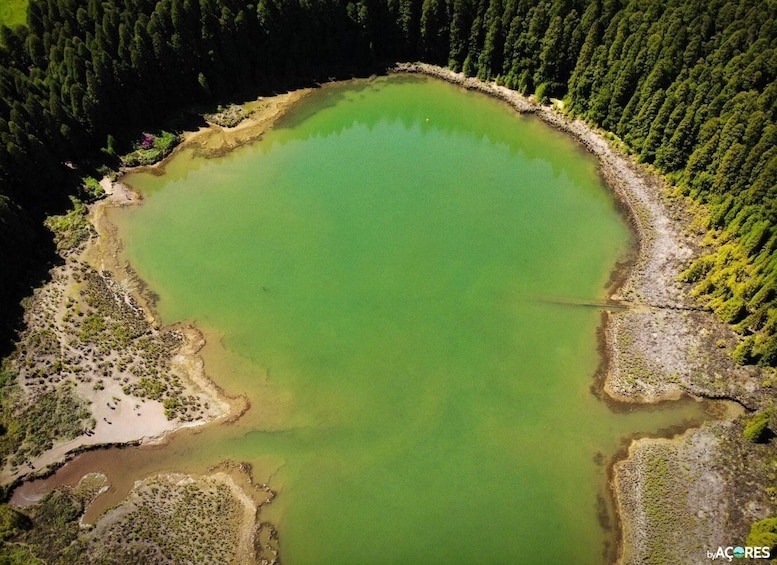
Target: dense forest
(687,85)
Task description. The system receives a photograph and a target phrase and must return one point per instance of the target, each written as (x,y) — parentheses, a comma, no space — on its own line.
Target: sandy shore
(100,374)
(672,495)
(105,348)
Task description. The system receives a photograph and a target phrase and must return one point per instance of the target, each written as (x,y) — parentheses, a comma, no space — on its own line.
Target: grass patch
(71,229)
(12,522)
(55,533)
(13,12)
(57,414)
(91,189)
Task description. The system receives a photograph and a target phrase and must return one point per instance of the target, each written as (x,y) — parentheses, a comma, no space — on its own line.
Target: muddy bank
(658,346)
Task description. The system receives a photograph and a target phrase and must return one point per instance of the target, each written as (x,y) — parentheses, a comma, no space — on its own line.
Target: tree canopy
(688,85)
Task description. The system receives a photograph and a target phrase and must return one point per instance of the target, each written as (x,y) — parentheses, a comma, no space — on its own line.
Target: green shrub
(72,228)
(12,522)
(468,68)
(763,533)
(698,269)
(732,311)
(151,149)
(92,189)
(757,429)
(110,147)
(766,352)
(16,554)
(56,527)
(541,94)
(56,415)
(743,353)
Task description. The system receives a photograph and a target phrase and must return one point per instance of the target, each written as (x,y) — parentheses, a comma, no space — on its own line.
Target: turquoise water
(387,268)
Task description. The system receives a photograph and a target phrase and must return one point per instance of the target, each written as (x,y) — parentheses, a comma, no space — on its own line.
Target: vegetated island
(682,495)
(166,518)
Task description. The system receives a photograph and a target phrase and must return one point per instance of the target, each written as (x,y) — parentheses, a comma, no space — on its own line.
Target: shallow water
(393,270)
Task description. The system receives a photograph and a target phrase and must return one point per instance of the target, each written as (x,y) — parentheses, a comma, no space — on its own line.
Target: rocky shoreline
(677,497)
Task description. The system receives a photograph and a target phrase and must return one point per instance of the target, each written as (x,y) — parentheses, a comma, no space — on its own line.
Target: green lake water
(388,269)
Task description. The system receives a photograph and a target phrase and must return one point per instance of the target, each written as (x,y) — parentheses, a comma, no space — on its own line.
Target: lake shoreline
(103,255)
(658,347)
(105,368)
(636,283)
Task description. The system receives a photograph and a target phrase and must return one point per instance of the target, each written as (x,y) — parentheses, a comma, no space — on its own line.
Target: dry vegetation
(699,491)
(171,518)
(88,353)
(227,117)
